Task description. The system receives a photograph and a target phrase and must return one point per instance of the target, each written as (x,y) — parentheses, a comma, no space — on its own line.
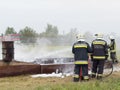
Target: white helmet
(111,37)
(99,36)
(80,37)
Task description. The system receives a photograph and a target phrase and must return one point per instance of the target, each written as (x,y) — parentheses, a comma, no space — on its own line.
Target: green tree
(88,36)
(10,30)
(51,31)
(28,35)
(51,34)
(70,37)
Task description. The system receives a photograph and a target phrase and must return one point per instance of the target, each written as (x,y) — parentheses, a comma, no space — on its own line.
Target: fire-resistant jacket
(100,49)
(112,46)
(80,50)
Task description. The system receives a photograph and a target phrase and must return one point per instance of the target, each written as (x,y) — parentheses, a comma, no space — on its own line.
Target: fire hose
(108,68)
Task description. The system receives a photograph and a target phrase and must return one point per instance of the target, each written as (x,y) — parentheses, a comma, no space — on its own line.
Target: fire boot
(76,79)
(93,75)
(86,78)
(99,77)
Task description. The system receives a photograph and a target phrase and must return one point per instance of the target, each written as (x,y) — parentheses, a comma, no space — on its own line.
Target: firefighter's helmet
(99,36)
(111,37)
(80,37)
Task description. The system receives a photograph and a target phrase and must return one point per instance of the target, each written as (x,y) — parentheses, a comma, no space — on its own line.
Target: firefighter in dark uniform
(112,48)
(99,55)
(80,50)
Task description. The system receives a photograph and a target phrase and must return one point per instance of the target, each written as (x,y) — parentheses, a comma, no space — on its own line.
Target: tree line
(29,35)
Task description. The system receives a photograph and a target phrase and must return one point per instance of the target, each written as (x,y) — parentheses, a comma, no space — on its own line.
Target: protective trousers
(80,69)
(113,57)
(98,67)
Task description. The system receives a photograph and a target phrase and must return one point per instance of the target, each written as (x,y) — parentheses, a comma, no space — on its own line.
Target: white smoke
(29,53)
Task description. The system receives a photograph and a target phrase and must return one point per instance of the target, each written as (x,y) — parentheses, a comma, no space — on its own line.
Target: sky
(96,16)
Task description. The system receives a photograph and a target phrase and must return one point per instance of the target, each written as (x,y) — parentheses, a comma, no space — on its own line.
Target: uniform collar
(81,40)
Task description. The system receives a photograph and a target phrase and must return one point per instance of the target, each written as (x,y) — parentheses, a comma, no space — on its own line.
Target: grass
(28,83)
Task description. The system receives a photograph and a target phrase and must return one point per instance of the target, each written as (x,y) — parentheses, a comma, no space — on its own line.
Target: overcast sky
(85,15)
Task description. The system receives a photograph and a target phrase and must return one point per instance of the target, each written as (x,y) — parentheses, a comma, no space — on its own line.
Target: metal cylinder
(7,51)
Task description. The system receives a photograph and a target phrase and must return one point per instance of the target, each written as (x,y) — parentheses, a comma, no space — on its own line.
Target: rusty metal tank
(50,65)
(57,68)
(7,51)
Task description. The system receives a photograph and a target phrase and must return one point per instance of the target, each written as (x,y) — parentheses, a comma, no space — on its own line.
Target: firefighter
(99,55)
(80,50)
(112,47)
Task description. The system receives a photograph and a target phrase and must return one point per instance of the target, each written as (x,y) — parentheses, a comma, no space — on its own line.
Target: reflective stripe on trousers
(99,57)
(81,62)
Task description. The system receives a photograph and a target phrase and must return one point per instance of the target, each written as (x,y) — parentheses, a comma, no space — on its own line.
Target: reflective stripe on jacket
(100,49)
(81,62)
(80,50)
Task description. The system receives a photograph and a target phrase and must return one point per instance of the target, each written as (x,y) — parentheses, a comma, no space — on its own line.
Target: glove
(106,57)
